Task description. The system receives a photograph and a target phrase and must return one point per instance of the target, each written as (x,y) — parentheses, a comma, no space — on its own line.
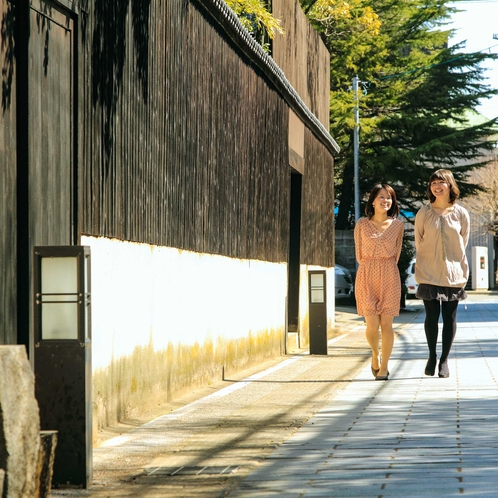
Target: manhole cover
(190,471)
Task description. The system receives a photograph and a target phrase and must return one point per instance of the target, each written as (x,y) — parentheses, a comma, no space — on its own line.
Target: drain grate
(191,471)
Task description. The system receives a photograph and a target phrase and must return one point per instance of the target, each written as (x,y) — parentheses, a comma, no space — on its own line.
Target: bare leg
(386,324)
(372,335)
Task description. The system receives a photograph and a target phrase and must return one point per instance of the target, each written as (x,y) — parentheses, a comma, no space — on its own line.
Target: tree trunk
(346,201)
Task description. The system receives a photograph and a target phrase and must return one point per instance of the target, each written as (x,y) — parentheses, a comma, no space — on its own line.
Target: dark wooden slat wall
(50,126)
(192,151)
(302,47)
(317,219)
(181,142)
(8,179)
(318,80)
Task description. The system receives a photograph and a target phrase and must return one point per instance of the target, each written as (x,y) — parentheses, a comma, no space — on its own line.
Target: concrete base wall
(137,385)
(165,321)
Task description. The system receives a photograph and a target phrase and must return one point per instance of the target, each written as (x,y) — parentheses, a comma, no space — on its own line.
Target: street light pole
(356,144)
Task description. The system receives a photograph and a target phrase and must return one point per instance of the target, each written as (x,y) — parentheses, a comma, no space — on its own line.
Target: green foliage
(415,98)
(255,16)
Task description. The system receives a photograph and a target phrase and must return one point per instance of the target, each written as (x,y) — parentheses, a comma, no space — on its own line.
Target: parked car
(411,284)
(343,282)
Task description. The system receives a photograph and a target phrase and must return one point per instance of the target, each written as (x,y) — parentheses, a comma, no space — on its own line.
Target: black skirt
(429,292)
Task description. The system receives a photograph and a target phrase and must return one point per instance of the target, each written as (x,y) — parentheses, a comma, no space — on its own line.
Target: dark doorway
(294,253)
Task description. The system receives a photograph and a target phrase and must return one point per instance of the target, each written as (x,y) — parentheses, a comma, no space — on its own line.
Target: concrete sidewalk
(322,426)
(410,436)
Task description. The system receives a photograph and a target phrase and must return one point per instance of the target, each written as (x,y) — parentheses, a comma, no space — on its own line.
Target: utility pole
(356,145)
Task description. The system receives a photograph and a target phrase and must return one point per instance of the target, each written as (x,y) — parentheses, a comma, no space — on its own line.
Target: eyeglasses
(437,184)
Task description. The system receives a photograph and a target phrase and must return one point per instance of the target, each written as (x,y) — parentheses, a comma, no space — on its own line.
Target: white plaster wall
(143,293)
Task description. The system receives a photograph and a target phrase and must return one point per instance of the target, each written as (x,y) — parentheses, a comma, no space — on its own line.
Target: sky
(477,23)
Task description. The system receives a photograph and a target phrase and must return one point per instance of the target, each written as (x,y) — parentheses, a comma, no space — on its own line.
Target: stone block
(19,423)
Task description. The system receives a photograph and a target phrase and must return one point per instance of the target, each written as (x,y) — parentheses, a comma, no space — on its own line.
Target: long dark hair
(444,175)
(393,211)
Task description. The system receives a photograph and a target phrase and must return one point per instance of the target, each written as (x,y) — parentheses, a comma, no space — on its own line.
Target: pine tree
(430,131)
(417,95)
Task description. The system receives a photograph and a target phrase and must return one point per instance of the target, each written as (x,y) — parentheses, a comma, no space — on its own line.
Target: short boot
(444,370)
(430,367)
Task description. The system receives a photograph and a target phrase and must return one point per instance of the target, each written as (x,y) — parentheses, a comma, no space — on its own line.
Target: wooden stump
(46,456)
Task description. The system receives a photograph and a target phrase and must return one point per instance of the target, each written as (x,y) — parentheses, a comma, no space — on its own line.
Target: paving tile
(410,436)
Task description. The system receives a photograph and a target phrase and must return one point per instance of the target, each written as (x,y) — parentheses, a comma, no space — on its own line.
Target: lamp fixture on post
(62,358)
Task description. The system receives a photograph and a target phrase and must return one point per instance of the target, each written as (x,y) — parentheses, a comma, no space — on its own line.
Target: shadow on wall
(109,53)
(7,31)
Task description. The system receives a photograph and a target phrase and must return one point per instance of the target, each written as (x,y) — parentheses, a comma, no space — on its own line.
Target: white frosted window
(59,321)
(316,280)
(317,288)
(317,296)
(59,275)
(59,298)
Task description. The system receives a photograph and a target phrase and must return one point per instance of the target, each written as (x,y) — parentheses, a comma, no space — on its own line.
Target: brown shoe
(382,377)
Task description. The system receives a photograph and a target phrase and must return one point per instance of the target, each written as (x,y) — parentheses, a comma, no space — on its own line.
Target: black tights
(449,312)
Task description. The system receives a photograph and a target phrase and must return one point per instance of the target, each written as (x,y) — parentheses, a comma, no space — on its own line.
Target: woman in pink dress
(378,240)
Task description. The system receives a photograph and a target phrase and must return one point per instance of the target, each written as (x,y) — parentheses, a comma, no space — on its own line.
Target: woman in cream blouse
(441,270)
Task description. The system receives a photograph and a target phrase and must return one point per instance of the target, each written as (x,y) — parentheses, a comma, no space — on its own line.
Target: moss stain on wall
(135,385)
